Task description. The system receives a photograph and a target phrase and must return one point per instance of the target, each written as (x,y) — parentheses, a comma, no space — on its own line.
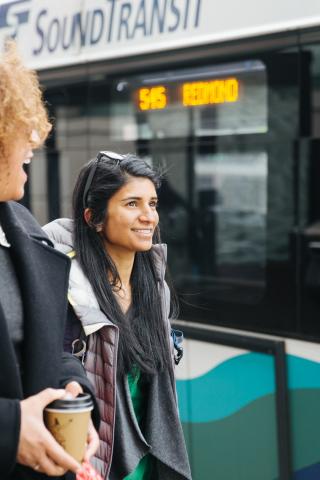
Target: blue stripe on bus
(308,473)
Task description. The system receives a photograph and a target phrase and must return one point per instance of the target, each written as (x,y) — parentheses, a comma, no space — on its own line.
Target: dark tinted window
(240,203)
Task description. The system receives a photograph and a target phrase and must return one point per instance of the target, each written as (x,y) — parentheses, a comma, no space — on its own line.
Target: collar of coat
(18,218)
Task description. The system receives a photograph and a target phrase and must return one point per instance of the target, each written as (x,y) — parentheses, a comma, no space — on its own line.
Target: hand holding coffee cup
(37,448)
(68,421)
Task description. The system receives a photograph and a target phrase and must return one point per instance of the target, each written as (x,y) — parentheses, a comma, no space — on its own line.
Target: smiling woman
(12,176)
(24,122)
(120,310)
(132,218)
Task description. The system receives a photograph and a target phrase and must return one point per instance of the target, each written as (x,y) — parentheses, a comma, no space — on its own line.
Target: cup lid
(83,400)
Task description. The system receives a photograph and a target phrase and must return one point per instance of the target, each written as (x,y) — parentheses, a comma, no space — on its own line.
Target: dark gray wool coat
(43,277)
(162,435)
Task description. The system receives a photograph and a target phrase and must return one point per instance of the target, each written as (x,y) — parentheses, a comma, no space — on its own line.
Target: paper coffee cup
(68,421)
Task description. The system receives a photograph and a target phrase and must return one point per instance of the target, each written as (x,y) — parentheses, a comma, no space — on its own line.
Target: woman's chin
(19,194)
(144,247)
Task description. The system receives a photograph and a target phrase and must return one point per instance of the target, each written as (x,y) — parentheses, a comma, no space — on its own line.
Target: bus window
(225,134)
(308,231)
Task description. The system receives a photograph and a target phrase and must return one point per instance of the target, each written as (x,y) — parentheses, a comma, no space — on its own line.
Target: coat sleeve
(72,370)
(9,437)
(72,331)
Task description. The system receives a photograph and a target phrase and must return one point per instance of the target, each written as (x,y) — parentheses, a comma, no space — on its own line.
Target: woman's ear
(87,216)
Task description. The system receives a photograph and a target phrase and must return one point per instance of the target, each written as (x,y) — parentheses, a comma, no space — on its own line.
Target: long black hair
(143,339)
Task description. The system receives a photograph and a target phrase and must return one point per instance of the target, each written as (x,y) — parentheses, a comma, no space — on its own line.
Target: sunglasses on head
(101,155)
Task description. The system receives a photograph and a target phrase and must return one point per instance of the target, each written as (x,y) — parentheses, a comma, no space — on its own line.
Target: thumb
(74,388)
(49,395)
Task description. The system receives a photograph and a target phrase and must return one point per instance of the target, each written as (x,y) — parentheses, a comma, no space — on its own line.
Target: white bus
(226,97)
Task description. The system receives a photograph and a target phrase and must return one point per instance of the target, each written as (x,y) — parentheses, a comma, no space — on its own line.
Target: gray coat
(163,435)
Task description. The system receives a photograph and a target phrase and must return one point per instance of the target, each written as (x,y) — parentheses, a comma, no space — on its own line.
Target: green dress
(144,469)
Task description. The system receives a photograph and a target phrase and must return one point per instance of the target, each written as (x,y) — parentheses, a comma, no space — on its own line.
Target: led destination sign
(210,92)
(153,98)
(220,99)
(189,94)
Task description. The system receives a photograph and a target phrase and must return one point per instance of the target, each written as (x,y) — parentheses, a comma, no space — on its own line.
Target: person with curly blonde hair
(23,118)
(33,297)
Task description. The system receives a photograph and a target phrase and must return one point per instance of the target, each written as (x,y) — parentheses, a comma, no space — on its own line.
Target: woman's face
(12,175)
(131,217)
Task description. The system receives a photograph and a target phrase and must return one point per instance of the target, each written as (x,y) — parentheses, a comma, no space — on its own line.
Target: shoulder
(60,232)
(19,216)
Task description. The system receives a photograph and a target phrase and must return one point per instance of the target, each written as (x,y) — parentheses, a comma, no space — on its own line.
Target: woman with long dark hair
(119,322)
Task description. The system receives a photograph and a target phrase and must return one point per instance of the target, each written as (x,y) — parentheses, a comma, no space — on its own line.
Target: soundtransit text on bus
(117,22)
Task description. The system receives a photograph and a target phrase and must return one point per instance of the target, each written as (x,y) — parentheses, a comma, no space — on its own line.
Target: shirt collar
(3,239)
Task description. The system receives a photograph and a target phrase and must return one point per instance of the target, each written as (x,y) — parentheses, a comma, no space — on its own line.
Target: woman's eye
(133,203)
(154,204)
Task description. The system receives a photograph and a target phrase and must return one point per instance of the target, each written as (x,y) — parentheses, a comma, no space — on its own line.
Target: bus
(225,99)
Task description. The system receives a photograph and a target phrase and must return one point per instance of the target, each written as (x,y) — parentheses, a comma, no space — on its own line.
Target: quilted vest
(101,352)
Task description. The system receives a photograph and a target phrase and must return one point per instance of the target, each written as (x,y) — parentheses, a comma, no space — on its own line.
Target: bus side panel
(304,410)
(227,406)
(228,409)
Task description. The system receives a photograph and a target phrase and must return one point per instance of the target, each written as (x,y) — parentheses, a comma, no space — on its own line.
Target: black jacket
(43,277)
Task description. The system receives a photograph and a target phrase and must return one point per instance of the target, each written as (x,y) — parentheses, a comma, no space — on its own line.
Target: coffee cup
(68,420)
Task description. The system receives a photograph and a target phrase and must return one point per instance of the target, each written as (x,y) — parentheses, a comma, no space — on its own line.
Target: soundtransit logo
(13,14)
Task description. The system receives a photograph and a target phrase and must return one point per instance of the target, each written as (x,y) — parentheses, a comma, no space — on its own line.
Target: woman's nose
(147,215)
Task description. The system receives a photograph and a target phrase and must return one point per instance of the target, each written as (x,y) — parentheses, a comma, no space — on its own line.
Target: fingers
(93,442)
(58,456)
(51,457)
(74,388)
(48,467)
(48,395)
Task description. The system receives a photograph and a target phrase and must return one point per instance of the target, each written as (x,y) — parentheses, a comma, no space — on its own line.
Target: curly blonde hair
(22,108)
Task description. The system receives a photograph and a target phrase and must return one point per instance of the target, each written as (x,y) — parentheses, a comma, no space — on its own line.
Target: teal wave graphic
(237,382)
(244,445)
(302,373)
